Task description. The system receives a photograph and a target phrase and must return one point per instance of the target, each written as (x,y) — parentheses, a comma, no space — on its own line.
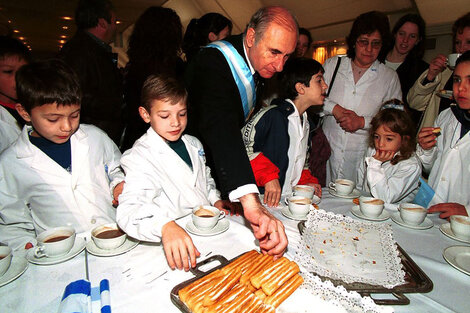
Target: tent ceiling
(40,23)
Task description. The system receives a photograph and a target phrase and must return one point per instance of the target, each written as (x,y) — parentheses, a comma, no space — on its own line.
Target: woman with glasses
(362,83)
(406,54)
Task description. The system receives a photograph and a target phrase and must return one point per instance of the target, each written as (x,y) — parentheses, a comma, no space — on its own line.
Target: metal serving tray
(416,281)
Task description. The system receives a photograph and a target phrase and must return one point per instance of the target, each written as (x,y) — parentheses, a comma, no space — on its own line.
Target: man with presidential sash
(222,85)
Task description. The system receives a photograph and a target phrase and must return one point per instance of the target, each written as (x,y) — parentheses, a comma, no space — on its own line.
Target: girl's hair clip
(395,106)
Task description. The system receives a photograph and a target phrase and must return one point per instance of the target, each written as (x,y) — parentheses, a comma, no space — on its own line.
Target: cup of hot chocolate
(304,191)
(206,217)
(55,242)
(108,236)
(5,259)
(371,207)
(412,214)
(342,186)
(299,206)
(460,226)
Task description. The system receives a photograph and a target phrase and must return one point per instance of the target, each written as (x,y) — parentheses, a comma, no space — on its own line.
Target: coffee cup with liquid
(304,191)
(460,226)
(342,186)
(108,236)
(371,207)
(452,59)
(206,217)
(5,259)
(412,214)
(55,242)
(299,206)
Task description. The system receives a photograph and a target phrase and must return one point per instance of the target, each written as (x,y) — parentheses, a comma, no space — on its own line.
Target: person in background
(277,137)
(90,56)
(303,43)
(154,48)
(58,172)
(206,29)
(219,108)
(424,95)
(166,174)
(13,55)
(406,56)
(444,149)
(361,85)
(390,169)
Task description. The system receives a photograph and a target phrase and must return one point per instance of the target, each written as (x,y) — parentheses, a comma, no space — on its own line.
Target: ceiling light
(63,36)
(16,31)
(118,22)
(9,21)
(21,38)
(62,41)
(67,18)
(65,27)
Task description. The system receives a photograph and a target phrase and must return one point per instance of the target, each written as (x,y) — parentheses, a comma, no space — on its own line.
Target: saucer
(285,211)
(354,194)
(458,257)
(221,226)
(356,211)
(446,230)
(78,247)
(127,246)
(427,223)
(17,267)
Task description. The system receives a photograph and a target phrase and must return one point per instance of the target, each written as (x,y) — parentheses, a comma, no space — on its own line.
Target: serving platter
(416,281)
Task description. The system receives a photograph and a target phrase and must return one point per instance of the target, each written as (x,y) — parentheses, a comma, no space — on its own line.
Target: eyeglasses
(376,44)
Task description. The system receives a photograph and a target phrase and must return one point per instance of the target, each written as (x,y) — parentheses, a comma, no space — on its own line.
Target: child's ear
(22,112)
(300,88)
(144,114)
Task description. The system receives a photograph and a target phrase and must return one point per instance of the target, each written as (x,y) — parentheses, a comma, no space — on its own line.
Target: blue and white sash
(240,72)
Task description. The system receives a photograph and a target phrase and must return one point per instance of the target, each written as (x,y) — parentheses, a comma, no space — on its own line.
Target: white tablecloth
(133,286)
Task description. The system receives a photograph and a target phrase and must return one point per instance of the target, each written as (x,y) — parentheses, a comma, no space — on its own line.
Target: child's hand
(116,192)
(427,138)
(448,209)
(229,207)
(317,189)
(272,193)
(178,247)
(383,156)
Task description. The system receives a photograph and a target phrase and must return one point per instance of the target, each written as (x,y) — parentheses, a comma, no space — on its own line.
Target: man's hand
(448,209)
(116,192)
(267,229)
(178,247)
(383,156)
(427,138)
(232,208)
(351,122)
(272,193)
(437,65)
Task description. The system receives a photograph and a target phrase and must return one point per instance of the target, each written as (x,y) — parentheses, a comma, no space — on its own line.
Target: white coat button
(93,221)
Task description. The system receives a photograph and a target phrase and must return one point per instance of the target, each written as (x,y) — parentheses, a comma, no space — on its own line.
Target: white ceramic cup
(371,207)
(205,217)
(50,246)
(412,214)
(452,58)
(5,259)
(299,206)
(460,226)
(108,236)
(304,191)
(342,186)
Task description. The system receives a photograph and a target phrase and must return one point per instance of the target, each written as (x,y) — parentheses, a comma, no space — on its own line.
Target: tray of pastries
(251,282)
(416,281)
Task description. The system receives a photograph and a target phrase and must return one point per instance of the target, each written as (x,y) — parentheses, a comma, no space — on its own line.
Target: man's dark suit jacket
(216,116)
(101,83)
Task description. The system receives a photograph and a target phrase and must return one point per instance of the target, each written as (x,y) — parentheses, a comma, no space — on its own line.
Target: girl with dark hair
(154,48)
(362,83)
(210,27)
(405,56)
(390,170)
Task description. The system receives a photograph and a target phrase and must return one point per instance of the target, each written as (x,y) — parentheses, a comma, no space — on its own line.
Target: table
(135,288)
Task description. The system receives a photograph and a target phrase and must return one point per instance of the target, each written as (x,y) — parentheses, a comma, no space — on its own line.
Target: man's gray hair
(273,14)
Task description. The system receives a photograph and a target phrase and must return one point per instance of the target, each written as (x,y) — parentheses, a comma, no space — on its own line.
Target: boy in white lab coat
(57,172)
(166,174)
(445,148)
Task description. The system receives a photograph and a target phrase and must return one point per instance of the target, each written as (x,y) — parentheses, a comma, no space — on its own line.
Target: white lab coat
(9,129)
(298,133)
(377,85)
(36,193)
(160,186)
(449,162)
(391,183)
